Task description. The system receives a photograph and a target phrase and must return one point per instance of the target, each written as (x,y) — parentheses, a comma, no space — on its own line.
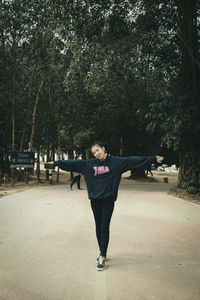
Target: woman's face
(98,152)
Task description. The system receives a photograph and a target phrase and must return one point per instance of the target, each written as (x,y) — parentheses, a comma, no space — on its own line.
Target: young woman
(102,176)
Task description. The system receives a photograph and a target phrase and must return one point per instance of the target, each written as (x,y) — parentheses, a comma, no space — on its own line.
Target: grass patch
(181,193)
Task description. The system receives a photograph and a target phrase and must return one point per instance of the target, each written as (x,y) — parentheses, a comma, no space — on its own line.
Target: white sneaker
(101,264)
(97,260)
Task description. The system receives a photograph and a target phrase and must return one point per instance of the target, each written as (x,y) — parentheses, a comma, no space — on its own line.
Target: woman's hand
(159,159)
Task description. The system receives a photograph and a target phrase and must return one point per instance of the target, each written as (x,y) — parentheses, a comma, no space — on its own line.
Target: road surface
(48,247)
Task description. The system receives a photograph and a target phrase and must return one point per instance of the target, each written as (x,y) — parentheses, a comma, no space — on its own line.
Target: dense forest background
(125,72)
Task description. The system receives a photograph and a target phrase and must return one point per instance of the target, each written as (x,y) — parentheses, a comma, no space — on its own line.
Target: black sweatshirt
(103,177)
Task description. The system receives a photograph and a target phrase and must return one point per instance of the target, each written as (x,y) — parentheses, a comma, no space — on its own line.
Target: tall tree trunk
(34,116)
(48,155)
(14,71)
(35,110)
(14,74)
(189,171)
(38,158)
(71,152)
(26,120)
(28,112)
(58,172)
(138,173)
(187,16)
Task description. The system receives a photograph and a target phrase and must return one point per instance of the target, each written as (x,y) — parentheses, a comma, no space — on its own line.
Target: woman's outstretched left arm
(134,162)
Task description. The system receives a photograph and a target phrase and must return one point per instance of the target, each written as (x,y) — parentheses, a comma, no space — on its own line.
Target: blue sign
(22,159)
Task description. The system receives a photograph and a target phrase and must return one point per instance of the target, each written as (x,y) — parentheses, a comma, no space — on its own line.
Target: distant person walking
(102,176)
(77,179)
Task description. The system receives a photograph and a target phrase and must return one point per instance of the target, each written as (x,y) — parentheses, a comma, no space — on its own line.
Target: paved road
(48,246)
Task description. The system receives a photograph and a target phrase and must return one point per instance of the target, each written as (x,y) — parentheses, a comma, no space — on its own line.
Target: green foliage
(114,71)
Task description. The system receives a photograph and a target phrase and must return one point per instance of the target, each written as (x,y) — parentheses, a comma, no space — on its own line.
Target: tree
(175,111)
(122,71)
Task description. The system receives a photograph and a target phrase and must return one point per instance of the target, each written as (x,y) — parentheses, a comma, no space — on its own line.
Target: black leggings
(102,211)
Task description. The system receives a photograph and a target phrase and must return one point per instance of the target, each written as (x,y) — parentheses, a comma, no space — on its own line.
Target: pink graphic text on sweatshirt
(100,170)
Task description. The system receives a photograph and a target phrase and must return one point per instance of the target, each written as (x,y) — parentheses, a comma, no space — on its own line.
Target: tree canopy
(125,72)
